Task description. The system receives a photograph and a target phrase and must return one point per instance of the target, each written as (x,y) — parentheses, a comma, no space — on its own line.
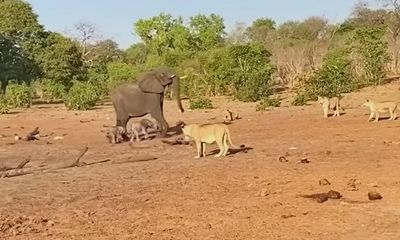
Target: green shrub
(19,95)
(4,108)
(52,90)
(268,102)
(370,44)
(300,99)
(81,96)
(333,78)
(120,72)
(200,103)
(99,80)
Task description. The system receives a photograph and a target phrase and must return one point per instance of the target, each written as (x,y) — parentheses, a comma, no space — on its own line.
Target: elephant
(145,97)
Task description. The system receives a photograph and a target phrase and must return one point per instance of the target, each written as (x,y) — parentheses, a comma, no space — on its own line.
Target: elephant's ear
(165,78)
(151,83)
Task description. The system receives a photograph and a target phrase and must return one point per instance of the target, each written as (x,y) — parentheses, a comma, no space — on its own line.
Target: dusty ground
(247,195)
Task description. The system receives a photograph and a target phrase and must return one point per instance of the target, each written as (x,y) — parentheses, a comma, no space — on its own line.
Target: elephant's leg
(158,115)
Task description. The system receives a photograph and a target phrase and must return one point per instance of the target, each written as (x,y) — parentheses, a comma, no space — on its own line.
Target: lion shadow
(233,151)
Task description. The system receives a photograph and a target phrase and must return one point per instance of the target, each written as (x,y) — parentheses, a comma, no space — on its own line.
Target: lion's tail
(228,134)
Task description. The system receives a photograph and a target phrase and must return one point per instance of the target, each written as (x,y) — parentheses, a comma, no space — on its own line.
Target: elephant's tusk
(183,77)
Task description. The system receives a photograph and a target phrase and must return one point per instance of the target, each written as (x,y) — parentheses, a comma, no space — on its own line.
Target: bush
(268,102)
(99,80)
(4,108)
(120,72)
(300,99)
(81,96)
(200,103)
(333,78)
(52,90)
(369,43)
(18,95)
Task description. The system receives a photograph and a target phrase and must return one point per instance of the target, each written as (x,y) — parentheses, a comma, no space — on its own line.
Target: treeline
(312,57)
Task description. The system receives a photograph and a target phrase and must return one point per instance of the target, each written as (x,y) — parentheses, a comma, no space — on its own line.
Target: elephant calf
(134,129)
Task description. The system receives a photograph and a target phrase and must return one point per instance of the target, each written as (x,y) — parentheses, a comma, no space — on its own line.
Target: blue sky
(115,18)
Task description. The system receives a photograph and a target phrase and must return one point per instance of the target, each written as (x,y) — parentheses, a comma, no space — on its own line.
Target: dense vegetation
(312,57)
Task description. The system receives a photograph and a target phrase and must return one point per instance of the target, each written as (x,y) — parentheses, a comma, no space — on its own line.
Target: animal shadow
(233,151)
(331,114)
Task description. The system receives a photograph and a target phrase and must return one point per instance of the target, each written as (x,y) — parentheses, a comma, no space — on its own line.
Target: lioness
(209,133)
(380,107)
(332,103)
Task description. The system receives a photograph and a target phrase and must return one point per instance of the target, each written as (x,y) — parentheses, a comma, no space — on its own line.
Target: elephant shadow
(233,151)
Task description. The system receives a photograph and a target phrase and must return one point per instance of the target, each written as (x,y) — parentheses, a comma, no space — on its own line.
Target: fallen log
(34,135)
(19,166)
(76,162)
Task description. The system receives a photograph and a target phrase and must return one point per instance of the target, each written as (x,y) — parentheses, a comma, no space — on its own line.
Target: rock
(304,160)
(58,138)
(263,193)
(283,159)
(324,182)
(328,152)
(333,194)
(285,216)
(352,184)
(373,195)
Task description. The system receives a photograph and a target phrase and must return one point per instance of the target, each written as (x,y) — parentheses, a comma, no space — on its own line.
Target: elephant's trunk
(175,86)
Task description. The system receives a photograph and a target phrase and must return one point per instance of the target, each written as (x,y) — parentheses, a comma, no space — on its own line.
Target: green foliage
(300,99)
(207,31)
(13,63)
(251,72)
(268,102)
(136,54)
(99,78)
(368,42)
(60,60)
(81,96)
(4,108)
(120,72)
(200,103)
(52,90)
(333,78)
(19,95)
(102,53)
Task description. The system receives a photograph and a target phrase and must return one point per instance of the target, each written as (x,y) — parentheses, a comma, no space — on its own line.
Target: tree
(207,31)
(369,43)
(137,54)
(261,29)
(163,32)
(20,24)
(86,33)
(102,53)
(13,63)
(61,59)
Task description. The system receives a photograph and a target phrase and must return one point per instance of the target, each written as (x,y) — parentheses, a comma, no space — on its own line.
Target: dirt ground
(246,195)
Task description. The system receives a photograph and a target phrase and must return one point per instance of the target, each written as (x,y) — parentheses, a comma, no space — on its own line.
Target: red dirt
(247,195)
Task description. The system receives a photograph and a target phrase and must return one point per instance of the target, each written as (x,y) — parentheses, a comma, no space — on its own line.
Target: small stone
(263,193)
(352,184)
(285,216)
(304,160)
(17,138)
(328,152)
(373,195)
(324,182)
(333,194)
(283,159)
